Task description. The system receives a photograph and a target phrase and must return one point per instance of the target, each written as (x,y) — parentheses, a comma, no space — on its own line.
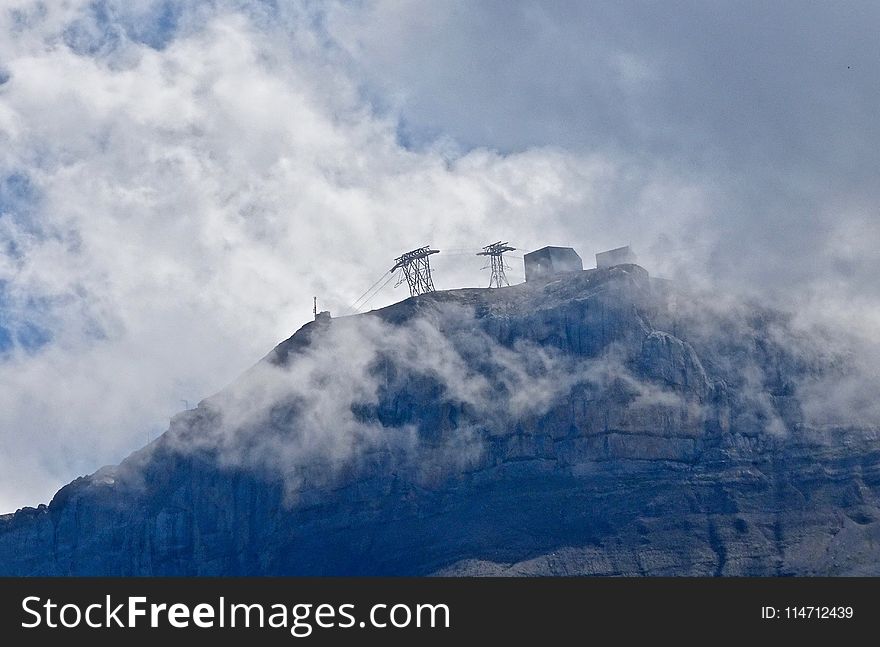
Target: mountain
(602,423)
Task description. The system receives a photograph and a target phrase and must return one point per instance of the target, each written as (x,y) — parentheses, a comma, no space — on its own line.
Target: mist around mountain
(602,423)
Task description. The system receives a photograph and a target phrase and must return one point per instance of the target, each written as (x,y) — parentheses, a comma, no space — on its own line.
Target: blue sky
(178,179)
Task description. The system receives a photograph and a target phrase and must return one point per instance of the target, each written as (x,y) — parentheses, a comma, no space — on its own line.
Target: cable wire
(378,290)
(354,304)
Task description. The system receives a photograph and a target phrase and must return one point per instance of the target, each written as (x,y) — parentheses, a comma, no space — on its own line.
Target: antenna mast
(416,270)
(495,252)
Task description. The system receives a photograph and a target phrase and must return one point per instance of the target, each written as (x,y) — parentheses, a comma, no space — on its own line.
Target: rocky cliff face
(598,424)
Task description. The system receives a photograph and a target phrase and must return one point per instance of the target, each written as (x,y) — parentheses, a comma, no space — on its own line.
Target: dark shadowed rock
(597,424)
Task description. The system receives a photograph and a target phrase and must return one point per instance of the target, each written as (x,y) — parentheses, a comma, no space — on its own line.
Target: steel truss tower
(495,252)
(416,268)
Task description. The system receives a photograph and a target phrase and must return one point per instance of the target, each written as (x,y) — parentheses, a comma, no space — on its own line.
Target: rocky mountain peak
(602,422)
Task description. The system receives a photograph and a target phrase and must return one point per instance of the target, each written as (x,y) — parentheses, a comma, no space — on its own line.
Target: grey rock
(670,440)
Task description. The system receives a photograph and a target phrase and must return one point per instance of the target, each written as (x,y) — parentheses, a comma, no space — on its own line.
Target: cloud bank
(178,179)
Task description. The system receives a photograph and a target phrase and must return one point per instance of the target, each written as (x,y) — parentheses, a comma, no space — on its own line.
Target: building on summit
(612,257)
(544,263)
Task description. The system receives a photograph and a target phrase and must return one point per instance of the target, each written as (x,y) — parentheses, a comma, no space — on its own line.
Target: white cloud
(191,199)
(191,186)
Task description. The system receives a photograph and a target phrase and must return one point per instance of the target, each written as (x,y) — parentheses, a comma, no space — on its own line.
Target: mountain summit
(602,422)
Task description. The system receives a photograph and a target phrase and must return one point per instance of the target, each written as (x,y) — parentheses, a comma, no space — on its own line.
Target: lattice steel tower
(495,252)
(416,270)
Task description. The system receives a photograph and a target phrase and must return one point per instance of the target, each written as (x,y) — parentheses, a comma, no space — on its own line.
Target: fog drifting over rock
(177,180)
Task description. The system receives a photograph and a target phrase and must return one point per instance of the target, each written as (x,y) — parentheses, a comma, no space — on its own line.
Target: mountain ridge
(601,423)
